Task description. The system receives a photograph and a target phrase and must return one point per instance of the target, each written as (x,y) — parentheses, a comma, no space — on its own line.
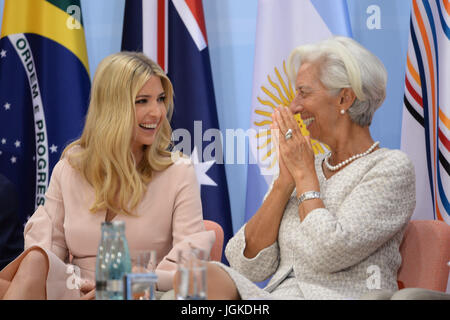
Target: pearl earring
(342,111)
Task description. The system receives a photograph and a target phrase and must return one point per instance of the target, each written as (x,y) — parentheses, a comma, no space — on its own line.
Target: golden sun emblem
(282,93)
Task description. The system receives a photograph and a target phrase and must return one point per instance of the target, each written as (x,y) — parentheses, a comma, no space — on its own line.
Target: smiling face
(150,112)
(314,103)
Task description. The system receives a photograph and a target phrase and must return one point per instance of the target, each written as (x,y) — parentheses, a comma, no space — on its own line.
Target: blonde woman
(120,168)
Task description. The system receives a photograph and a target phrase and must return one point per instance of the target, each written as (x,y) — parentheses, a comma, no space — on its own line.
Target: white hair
(344,63)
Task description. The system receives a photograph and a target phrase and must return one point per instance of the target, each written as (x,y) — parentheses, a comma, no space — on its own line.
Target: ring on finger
(288,134)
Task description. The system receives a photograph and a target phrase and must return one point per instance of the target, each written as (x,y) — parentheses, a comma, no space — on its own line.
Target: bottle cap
(119,224)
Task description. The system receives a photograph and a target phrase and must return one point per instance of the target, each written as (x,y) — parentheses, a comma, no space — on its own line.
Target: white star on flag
(53,148)
(17,143)
(3,141)
(7,106)
(13,159)
(3,53)
(201,168)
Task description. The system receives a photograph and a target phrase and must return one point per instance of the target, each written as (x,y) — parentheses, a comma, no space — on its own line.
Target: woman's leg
(220,284)
(4,285)
(29,282)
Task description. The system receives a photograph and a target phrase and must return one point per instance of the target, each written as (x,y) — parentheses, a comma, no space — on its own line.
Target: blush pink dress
(168,218)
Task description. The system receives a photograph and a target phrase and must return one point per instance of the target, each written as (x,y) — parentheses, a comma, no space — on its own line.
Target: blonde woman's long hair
(103,152)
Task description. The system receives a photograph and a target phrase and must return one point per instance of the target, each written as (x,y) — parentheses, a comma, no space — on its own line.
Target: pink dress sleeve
(45,227)
(188,229)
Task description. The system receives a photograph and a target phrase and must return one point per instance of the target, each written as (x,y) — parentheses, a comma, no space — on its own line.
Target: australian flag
(44,91)
(173,33)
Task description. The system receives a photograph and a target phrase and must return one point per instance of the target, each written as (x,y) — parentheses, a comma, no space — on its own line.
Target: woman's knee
(29,281)
(220,284)
(214,272)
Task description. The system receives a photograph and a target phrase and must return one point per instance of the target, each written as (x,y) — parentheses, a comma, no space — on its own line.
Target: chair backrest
(217,248)
(425,251)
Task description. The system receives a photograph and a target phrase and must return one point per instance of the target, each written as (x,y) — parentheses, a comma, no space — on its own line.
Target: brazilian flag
(44,91)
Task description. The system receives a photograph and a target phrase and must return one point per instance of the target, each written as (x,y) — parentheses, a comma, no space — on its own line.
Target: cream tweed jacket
(343,250)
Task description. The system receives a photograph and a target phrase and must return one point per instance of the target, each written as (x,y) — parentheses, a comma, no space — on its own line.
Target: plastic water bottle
(120,262)
(102,262)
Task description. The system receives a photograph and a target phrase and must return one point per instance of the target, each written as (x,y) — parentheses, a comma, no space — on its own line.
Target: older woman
(121,169)
(330,226)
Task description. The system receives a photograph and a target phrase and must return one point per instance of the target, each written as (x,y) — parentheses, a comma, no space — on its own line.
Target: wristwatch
(308,195)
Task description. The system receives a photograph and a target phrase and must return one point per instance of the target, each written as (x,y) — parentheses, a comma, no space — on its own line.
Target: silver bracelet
(308,195)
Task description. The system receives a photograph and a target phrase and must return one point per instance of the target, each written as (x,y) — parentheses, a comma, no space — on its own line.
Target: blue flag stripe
(132,26)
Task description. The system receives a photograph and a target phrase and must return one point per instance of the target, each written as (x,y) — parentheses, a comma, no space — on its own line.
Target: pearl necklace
(345,162)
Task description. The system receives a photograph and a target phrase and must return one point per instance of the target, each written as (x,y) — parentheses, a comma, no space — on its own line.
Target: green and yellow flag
(44,91)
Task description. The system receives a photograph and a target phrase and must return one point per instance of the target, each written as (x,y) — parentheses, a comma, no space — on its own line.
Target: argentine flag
(282,26)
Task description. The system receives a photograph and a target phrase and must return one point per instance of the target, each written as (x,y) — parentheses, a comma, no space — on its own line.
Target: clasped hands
(295,153)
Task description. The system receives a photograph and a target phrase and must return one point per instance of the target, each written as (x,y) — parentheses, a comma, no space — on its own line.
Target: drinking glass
(141,283)
(145,262)
(191,282)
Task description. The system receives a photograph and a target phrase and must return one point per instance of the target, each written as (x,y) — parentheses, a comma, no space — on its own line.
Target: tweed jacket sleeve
(258,268)
(371,213)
